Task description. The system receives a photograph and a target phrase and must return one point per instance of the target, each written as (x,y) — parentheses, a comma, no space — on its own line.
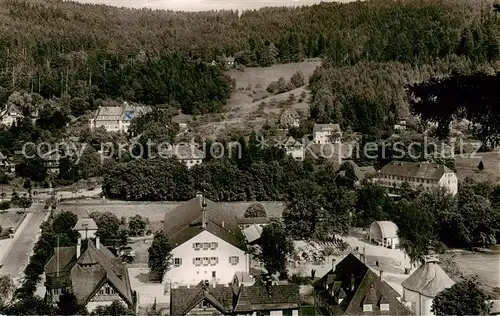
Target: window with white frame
(177,262)
(197,245)
(206,261)
(197,261)
(384,307)
(367,308)
(213,245)
(214,261)
(234,260)
(206,245)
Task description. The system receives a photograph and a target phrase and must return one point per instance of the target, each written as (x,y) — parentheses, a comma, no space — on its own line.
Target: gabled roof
(185,222)
(358,285)
(261,297)
(86,281)
(360,172)
(290,112)
(12,110)
(85,223)
(326,127)
(429,279)
(2,156)
(106,113)
(184,299)
(418,170)
(242,299)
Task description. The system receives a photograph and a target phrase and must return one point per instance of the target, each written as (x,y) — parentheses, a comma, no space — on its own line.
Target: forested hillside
(89,51)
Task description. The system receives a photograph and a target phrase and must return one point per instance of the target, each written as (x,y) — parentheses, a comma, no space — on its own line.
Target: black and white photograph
(250,157)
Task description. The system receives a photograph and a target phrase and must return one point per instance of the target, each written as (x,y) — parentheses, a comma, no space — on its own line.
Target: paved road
(18,256)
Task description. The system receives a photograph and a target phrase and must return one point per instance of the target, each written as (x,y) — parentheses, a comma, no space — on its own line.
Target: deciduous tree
(160,255)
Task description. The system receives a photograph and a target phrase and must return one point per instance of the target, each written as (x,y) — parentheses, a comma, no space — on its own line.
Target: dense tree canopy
(276,246)
(463,298)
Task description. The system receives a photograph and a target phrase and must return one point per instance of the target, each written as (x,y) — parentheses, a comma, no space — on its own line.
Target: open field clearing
(155,212)
(251,106)
(10,220)
(467,167)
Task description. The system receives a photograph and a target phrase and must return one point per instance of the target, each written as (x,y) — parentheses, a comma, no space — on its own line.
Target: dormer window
(367,308)
(384,307)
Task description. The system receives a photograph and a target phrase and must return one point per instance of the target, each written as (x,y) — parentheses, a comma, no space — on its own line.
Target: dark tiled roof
(253,220)
(360,172)
(354,281)
(261,297)
(185,222)
(243,299)
(420,170)
(86,281)
(326,127)
(67,258)
(184,299)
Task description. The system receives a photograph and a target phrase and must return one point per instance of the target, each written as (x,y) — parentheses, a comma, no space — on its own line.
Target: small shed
(384,233)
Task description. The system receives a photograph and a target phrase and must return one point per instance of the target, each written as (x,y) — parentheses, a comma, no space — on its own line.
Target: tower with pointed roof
(424,284)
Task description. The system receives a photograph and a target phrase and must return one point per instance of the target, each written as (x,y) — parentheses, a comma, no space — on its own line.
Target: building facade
(418,174)
(290,118)
(207,243)
(117,118)
(189,155)
(12,115)
(327,134)
(95,276)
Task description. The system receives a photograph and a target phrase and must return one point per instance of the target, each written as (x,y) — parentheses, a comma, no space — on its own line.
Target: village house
(207,244)
(229,62)
(327,134)
(295,149)
(95,276)
(423,285)
(418,174)
(10,116)
(351,288)
(290,118)
(117,118)
(189,155)
(5,164)
(358,173)
(237,299)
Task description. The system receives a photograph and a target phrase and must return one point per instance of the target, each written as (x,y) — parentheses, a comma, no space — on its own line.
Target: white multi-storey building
(117,118)
(327,133)
(416,174)
(207,243)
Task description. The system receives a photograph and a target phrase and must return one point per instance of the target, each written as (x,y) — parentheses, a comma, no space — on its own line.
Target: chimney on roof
(333,264)
(353,283)
(381,273)
(222,224)
(204,213)
(97,242)
(269,287)
(78,247)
